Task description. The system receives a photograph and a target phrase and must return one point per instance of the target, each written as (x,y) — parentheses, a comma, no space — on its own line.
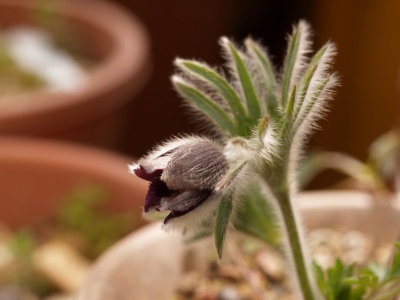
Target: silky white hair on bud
(159,157)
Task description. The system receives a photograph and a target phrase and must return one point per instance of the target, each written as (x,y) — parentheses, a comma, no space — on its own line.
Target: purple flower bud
(182,173)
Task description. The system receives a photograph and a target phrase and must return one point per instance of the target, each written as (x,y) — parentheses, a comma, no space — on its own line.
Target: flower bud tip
(133,167)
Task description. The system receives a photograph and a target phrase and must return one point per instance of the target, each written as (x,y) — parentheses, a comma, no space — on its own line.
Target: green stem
(295,249)
(280,188)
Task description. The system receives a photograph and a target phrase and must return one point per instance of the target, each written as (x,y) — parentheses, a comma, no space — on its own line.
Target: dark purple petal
(142,173)
(185,202)
(157,190)
(174,214)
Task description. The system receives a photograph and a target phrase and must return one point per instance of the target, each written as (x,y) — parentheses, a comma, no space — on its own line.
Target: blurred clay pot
(94,113)
(37,175)
(149,263)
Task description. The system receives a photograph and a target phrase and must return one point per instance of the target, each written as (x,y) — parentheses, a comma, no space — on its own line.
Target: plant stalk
(290,226)
(294,245)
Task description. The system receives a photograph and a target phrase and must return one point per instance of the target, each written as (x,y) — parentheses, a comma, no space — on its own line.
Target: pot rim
(130,55)
(79,165)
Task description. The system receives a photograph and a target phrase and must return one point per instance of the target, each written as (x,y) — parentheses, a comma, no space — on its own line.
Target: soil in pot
(253,270)
(345,224)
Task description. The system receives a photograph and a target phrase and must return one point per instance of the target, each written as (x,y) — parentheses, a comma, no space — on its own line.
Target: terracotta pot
(37,175)
(147,264)
(93,113)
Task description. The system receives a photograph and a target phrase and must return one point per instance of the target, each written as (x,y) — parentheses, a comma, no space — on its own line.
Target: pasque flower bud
(183,175)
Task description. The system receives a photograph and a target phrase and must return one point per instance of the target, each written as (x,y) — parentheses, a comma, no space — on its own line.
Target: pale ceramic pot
(94,113)
(147,265)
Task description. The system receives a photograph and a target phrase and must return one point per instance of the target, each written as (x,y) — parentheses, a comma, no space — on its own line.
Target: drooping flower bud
(183,175)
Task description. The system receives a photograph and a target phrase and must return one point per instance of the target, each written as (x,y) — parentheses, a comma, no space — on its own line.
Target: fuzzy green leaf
(221,84)
(268,75)
(256,216)
(229,178)
(290,106)
(303,114)
(222,222)
(312,67)
(290,61)
(206,105)
(253,103)
(304,88)
(317,56)
(289,111)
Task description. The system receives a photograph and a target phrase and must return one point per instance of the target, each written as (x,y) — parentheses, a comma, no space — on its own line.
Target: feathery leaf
(296,59)
(309,105)
(262,61)
(208,75)
(205,105)
(253,103)
(222,222)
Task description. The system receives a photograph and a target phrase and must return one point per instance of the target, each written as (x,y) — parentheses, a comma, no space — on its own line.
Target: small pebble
(271,264)
(323,256)
(189,282)
(354,239)
(229,272)
(229,293)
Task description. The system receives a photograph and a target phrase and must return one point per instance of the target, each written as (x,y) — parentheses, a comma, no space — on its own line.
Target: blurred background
(134,104)
(84,197)
(366,32)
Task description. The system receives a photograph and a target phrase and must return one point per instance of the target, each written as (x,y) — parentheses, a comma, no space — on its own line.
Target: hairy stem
(281,190)
(294,245)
